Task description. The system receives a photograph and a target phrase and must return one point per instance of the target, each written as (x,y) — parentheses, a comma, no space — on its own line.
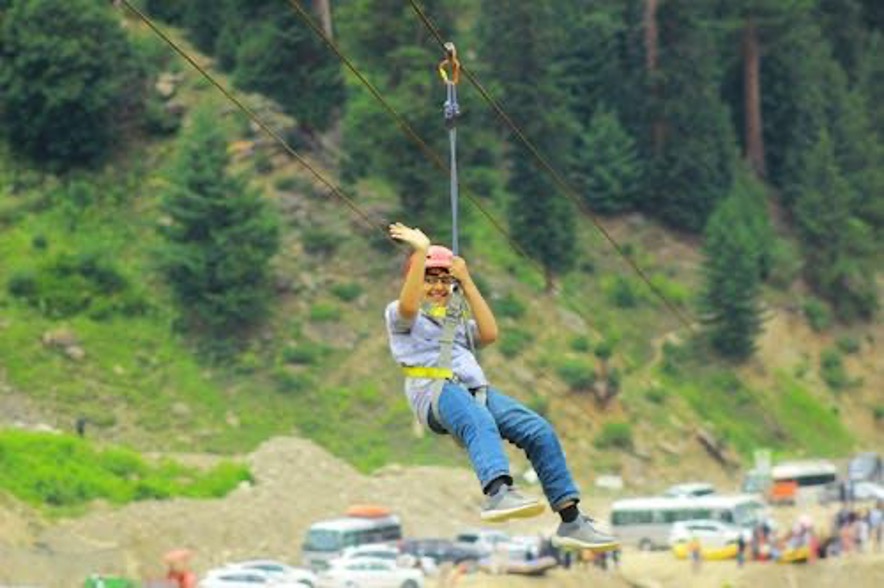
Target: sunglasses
(434,280)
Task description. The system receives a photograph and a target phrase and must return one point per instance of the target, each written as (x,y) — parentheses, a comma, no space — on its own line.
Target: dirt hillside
(298,483)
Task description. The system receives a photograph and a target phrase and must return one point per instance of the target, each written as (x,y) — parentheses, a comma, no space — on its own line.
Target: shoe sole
(568,543)
(523,512)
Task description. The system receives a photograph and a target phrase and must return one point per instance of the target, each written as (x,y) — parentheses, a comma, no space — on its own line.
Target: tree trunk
(754,137)
(323,11)
(652,43)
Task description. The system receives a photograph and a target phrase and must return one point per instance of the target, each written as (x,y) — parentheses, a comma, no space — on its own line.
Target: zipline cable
(406,128)
(566,188)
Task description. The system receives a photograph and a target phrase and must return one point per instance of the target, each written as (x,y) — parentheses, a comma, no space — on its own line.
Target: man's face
(437,286)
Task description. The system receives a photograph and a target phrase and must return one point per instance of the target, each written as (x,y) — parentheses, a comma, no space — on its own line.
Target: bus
(328,539)
(790,482)
(646,522)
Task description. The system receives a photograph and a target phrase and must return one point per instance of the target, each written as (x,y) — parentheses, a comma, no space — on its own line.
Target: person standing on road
(449,393)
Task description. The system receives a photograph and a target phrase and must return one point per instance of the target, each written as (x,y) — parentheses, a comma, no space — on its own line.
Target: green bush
(615,435)
(848,344)
(72,284)
(325,312)
(347,292)
(656,395)
(577,374)
(622,292)
(832,369)
(878,413)
(819,317)
(304,353)
(319,241)
(514,341)
(62,471)
(508,306)
(580,344)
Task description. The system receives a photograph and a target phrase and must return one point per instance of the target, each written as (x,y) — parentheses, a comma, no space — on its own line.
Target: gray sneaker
(582,534)
(507,504)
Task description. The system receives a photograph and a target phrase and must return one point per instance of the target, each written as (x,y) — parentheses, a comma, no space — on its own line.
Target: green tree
(731,293)
(838,246)
(66,70)
(518,41)
(279,56)
(219,239)
(694,163)
(607,169)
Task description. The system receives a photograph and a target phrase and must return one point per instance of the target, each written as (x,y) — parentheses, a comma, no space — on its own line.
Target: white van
(327,540)
(647,522)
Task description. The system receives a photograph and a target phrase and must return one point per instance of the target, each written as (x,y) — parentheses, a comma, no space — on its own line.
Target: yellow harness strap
(433,373)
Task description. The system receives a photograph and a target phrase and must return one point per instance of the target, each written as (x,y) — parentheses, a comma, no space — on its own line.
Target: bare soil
(298,483)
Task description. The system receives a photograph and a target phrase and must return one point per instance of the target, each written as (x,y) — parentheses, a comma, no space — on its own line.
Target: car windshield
(323,540)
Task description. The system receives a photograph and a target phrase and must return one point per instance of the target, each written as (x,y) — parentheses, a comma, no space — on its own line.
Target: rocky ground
(298,483)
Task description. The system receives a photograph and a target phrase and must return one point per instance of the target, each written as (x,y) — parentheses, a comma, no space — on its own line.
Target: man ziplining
(431,327)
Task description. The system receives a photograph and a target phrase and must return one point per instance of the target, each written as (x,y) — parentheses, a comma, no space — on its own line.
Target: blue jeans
(480,429)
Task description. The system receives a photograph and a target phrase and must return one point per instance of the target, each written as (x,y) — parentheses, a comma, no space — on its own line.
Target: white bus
(646,522)
(327,540)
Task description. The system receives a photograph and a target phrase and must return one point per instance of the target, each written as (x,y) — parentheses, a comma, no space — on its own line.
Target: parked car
(440,550)
(278,570)
(868,491)
(231,577)
(689,489)
(710,533)
(369,572)
(482,540)
(866,467)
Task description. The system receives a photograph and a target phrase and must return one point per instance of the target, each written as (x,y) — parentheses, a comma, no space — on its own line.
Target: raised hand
(411,235)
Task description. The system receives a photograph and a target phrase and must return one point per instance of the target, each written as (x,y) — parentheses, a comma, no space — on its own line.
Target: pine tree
(731,294)
(607,168)
(518,45)
(219,238)
(65,70)
(838,246)
(282,58)
(694,162)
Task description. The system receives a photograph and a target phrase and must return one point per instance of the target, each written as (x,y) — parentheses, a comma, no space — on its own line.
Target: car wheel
(409,584)
(645,545)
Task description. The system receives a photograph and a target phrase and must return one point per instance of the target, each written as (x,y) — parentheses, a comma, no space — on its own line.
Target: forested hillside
(675,207)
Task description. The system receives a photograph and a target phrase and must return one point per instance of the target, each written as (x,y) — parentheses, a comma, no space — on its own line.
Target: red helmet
(437,256)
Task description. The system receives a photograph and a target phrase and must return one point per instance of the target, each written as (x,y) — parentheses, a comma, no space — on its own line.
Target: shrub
(656,395)
(347,292)
(578,374)
(304,353)
(325,312)
(319,241)
(580,344)
(622,292)
(848,344)
(832,369)
(515,341)
(509,306)
(878,413)
(819,317)
(615,435)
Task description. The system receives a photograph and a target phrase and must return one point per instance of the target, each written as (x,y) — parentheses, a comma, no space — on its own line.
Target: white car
(485,541)
(868,491)
(710,533)
(368,572)
(230,577)
(279,571)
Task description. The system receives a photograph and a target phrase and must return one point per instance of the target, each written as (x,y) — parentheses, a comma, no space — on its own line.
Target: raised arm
(412,287)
